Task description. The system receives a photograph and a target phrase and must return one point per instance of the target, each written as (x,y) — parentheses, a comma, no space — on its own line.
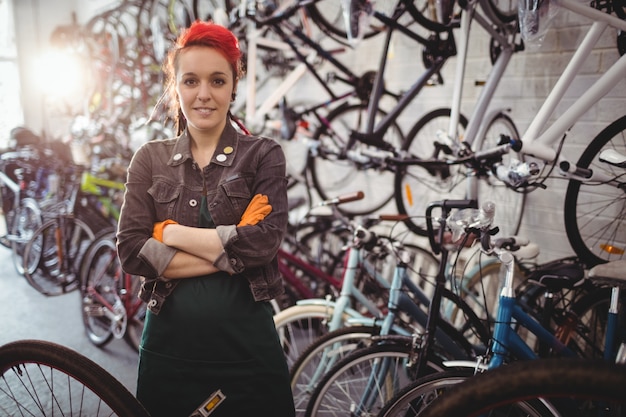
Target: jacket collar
(224,153)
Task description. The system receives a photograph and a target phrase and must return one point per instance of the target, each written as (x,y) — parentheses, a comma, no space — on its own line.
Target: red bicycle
(110,305)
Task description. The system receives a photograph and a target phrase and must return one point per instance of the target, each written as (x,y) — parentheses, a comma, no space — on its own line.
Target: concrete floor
(27,314)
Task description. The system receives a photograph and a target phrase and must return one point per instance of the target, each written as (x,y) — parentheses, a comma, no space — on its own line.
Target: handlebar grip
(346,198)
(393,217)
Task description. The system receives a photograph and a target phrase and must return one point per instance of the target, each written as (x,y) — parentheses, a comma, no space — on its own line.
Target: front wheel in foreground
(39,378)
(561,386)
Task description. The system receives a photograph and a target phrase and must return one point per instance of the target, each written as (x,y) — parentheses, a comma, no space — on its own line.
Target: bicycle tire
(510,203)
(49,278)
(341,388)
(417,398)
(501,12)
(25,220)
(416,186)
(334,173)
(595,214)
(41,378)
(437,18)
(593,383)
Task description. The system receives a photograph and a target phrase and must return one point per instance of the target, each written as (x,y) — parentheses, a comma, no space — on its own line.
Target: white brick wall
(525,85)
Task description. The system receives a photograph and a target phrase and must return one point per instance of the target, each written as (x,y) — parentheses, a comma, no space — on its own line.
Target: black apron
(211,335)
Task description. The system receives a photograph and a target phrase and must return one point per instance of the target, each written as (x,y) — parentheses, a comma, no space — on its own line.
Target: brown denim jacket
(164,182)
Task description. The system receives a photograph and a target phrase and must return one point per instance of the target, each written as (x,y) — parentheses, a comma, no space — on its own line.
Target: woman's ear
(233,96)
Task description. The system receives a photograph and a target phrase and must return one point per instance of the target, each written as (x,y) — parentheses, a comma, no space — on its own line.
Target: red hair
(200,33)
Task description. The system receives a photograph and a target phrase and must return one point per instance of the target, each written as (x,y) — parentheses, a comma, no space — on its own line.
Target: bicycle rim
(40,378)
(595,213)
(364,381)
(321,356)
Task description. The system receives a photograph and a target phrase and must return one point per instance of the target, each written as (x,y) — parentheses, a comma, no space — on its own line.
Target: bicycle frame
(285,259)
(542,145)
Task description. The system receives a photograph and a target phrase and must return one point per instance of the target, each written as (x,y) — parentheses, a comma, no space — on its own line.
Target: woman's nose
(204,93)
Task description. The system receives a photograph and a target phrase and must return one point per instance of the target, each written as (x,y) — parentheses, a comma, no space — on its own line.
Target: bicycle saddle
(559,274)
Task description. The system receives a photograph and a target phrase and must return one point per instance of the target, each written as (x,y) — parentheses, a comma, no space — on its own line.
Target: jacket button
(193,202)
(152,303)
(177,156)
(168,285)
(233,261)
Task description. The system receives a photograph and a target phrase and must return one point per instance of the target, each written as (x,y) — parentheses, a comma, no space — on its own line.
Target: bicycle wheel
(328,16)
(366,379)
(110,304)
(592,388)
(415,187)
(509,202)
(59,252)
(417,398)
(24,221)
(500,12)
(321,356)
(298,326)
(337,170)
(595,213)
(585,332)
(39,378)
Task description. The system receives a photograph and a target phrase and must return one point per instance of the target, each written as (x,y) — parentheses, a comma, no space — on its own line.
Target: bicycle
(445,133)
(594,196)
(300,325)
(508,346)
(21,210)
(281,49)
(366,378)
(110,304)
(403,306)
(354,144)
(40,378)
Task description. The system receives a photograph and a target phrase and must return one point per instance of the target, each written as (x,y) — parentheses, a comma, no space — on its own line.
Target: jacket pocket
(165,196)
(232,200)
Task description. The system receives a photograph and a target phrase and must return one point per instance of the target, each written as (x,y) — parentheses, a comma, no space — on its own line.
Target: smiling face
(204,84)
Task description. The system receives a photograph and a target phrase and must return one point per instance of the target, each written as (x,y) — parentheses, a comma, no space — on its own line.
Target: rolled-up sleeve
(139,253)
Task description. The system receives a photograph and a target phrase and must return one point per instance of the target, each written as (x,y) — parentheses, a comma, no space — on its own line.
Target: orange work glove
(256,211)
(157,231)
